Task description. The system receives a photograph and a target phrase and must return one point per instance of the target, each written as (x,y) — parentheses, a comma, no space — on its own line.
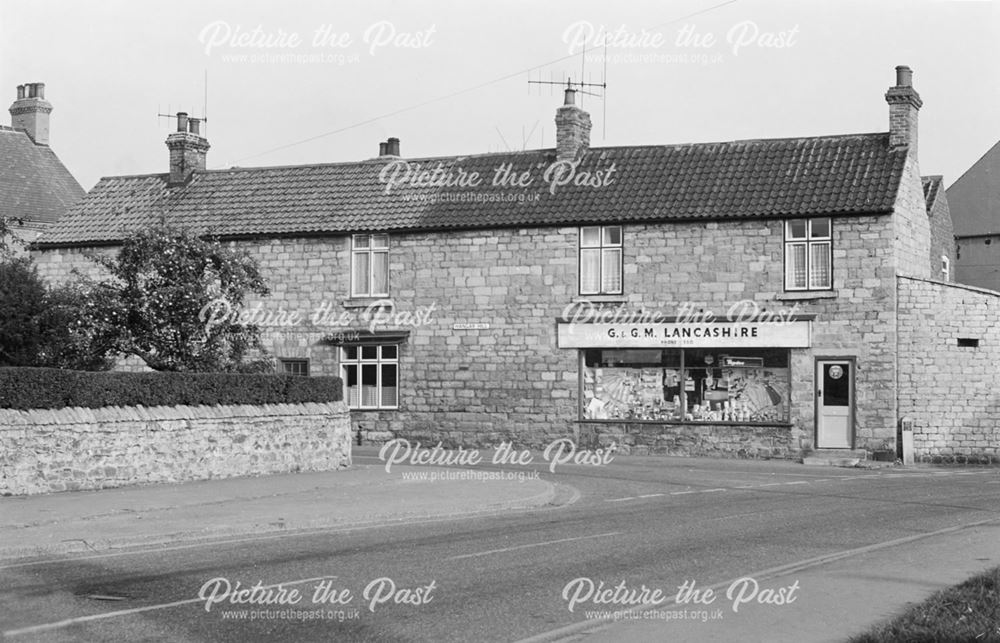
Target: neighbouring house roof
(829,175)
(974,198)
(932,187)
(34,184)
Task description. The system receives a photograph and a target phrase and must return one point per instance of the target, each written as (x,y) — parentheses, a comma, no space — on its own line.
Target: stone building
(754,298)
(35,187)
(975,204)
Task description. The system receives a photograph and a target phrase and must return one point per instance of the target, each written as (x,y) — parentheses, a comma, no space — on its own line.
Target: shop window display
(693,385)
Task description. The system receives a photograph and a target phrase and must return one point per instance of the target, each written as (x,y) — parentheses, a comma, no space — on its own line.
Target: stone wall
(942,238)
(911,224)
(713,440)
(509,381)
(951,391)
(74,448)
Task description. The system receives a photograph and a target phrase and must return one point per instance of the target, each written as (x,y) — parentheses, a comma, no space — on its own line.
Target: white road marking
(652,495)
(619,499)
(542,544)
(44,627)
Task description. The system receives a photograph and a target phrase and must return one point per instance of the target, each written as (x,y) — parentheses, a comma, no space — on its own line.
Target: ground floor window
(371,376)
(678,385)
(295,366)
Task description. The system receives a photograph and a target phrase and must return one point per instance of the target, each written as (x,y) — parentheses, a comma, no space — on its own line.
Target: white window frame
(359,362)
(808,242)
(946,267)
(369,249)
(601,246)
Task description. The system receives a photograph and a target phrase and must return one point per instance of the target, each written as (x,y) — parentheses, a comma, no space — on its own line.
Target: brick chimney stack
(30,112)
(188,149)
(904,104)
(572,129)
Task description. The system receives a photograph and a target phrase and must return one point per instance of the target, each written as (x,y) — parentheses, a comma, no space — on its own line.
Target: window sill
(806,295)
(601,299)
(688,423)
(365,302)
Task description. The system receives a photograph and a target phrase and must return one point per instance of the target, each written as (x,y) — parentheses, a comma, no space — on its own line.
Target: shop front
(723,386)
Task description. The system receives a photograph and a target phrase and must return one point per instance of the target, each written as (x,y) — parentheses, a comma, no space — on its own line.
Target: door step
(836,457)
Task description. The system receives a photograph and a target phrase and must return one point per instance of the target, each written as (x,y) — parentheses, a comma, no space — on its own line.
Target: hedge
(52,388)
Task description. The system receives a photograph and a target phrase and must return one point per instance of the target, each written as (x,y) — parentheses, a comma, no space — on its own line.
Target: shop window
(295,366)
(370,265)
(808,254)
(690,385)
(371,376)
(601,260)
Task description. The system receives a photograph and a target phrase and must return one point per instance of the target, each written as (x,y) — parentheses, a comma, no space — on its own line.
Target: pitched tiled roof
(932,187)
(761,178)
(34,184)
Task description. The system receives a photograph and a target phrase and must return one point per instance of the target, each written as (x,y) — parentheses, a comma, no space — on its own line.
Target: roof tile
(830,175)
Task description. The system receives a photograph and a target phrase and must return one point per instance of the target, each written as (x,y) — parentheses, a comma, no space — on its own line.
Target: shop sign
(788,334)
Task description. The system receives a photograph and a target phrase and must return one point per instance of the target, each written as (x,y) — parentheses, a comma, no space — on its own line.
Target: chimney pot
(904,107)
(382,148)
(30,112)
(572,129)
(570,97)
(392,146)
(188,150)
(904,76)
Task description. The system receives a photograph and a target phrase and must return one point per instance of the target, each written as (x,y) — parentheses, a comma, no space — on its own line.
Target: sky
(300,82)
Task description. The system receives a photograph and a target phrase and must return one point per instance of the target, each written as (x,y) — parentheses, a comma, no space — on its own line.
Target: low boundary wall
(77,448)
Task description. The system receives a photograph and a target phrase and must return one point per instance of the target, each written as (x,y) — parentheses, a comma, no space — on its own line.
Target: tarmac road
(654,523)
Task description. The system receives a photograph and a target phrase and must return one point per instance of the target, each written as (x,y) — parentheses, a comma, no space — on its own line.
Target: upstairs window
(808,254)
(370,265)
(601,260)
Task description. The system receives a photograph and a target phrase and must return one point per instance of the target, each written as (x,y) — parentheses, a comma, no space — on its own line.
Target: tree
(162,281)
(22,302)
(45,327)
(7,237)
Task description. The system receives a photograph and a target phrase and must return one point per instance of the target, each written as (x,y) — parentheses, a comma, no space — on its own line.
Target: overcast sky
(316,82)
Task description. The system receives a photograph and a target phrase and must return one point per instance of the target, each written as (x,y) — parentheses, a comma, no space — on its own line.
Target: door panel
(834,404)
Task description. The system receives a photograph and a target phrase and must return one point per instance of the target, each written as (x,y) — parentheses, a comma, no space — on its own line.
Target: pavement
(97,521)
(829,598)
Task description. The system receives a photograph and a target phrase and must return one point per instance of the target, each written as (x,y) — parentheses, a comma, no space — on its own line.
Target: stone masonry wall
(911,224)
(74,448)
(950,391)
(942,239)
(509,381)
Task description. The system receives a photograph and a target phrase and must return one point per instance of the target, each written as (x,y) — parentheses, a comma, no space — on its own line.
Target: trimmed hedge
(52,388)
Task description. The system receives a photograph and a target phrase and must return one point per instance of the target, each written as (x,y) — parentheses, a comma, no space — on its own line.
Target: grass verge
(969,611)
